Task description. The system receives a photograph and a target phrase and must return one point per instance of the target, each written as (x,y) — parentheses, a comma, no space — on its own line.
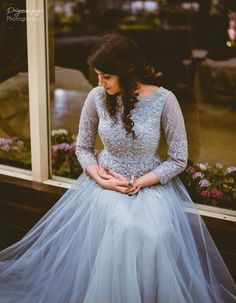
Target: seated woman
(127,231)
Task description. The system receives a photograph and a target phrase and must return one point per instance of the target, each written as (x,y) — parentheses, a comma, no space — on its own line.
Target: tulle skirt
(100,246)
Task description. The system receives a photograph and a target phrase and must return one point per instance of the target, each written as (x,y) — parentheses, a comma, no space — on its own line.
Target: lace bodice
(121,152)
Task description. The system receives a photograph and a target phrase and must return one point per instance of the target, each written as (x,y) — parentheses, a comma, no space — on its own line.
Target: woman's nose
(100,82)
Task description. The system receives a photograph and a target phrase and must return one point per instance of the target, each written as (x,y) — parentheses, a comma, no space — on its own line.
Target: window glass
(14,97)
(191,42)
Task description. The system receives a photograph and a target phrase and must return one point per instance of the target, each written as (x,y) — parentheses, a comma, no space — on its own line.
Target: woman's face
(111,83)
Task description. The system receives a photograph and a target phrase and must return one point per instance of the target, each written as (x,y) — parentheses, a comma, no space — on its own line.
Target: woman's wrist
(148,179)
(91,171)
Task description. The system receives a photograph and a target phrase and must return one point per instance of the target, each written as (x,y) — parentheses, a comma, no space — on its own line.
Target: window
(202,80)
(14,94)
(56,80)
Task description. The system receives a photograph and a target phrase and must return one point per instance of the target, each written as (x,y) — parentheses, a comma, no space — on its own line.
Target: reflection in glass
(70,90)
(184,40)
(14,97)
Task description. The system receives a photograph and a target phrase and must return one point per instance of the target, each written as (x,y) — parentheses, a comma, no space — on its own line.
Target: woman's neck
(146,89)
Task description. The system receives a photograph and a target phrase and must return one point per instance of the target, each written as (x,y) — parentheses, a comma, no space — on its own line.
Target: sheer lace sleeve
(173,125)
(87,133)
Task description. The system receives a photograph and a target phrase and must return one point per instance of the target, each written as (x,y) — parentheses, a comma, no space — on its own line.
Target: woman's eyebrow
(98,71)
(101,73)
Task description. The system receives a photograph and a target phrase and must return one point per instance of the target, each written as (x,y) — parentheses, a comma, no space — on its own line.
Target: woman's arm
(148,179)
(88,126)
(174,129)
(85,146)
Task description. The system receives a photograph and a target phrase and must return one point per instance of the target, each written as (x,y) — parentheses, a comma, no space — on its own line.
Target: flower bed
(15,152)
(209,184)
(64,161)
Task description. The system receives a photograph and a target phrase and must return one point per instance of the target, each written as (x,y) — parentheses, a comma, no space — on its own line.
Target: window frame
(39,100)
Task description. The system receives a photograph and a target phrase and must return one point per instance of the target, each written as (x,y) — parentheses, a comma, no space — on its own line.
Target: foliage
(64,161)
(211,184)
(14,151)
(142,21)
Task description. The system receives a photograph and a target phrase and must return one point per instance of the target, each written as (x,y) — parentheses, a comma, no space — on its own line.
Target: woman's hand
(148,179)
(114,181)
(134,190)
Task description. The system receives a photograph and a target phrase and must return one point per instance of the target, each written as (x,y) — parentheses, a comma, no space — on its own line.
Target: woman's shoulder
(149,91)
(157,95)
(170,102)
(163,98)
(97,95)
(97,91)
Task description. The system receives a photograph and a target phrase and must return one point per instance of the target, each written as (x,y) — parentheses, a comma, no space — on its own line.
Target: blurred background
(193,43)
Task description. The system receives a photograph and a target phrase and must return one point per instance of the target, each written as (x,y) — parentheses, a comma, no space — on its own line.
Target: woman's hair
(118,55)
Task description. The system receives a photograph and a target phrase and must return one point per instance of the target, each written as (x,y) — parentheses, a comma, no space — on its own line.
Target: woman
(127,231)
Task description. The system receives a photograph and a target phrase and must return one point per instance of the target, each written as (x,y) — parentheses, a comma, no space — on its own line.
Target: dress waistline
(134,160)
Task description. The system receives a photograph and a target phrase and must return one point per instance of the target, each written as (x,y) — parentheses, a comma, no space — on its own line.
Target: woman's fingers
(107,173)
(132,180)
(135,191)
(117,181)
(116,175)
(102,173)
(101,168)
(131,184)
(124,190)
(131,188)
(123,184)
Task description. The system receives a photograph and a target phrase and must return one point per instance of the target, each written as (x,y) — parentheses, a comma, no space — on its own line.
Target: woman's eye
(107,77)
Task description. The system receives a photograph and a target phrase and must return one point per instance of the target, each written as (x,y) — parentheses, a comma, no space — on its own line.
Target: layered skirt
(101,246)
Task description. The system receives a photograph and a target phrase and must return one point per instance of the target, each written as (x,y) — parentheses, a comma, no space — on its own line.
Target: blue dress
(101,246)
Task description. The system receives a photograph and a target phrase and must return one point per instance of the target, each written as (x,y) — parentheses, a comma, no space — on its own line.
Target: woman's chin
(110,92)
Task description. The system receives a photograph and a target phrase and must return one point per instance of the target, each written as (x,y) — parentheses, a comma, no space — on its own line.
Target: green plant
(64,161)
(16,151)
(211,184)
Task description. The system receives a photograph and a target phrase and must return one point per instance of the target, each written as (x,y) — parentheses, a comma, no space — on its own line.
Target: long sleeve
(87,133)
(172,123)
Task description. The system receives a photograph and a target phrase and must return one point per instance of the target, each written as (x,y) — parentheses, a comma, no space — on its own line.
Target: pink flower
(190,169)
(5,143)
(73,147)
(198,175)
(205,193)
(216,193)
(62,146)
(204,183)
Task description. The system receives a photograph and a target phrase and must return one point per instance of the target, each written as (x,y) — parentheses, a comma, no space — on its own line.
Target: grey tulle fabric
(101,246)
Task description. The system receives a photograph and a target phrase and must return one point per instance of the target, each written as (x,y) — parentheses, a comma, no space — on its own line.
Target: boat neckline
(148,97)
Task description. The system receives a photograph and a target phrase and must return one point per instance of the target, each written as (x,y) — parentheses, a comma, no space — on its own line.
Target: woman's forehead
(99,72)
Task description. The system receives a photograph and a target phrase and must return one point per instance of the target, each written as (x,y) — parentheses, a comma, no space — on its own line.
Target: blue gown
(101,246)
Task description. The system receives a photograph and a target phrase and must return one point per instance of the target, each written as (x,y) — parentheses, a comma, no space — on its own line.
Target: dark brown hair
(118,55)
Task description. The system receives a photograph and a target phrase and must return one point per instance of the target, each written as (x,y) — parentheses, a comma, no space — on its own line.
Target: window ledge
(9,174)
